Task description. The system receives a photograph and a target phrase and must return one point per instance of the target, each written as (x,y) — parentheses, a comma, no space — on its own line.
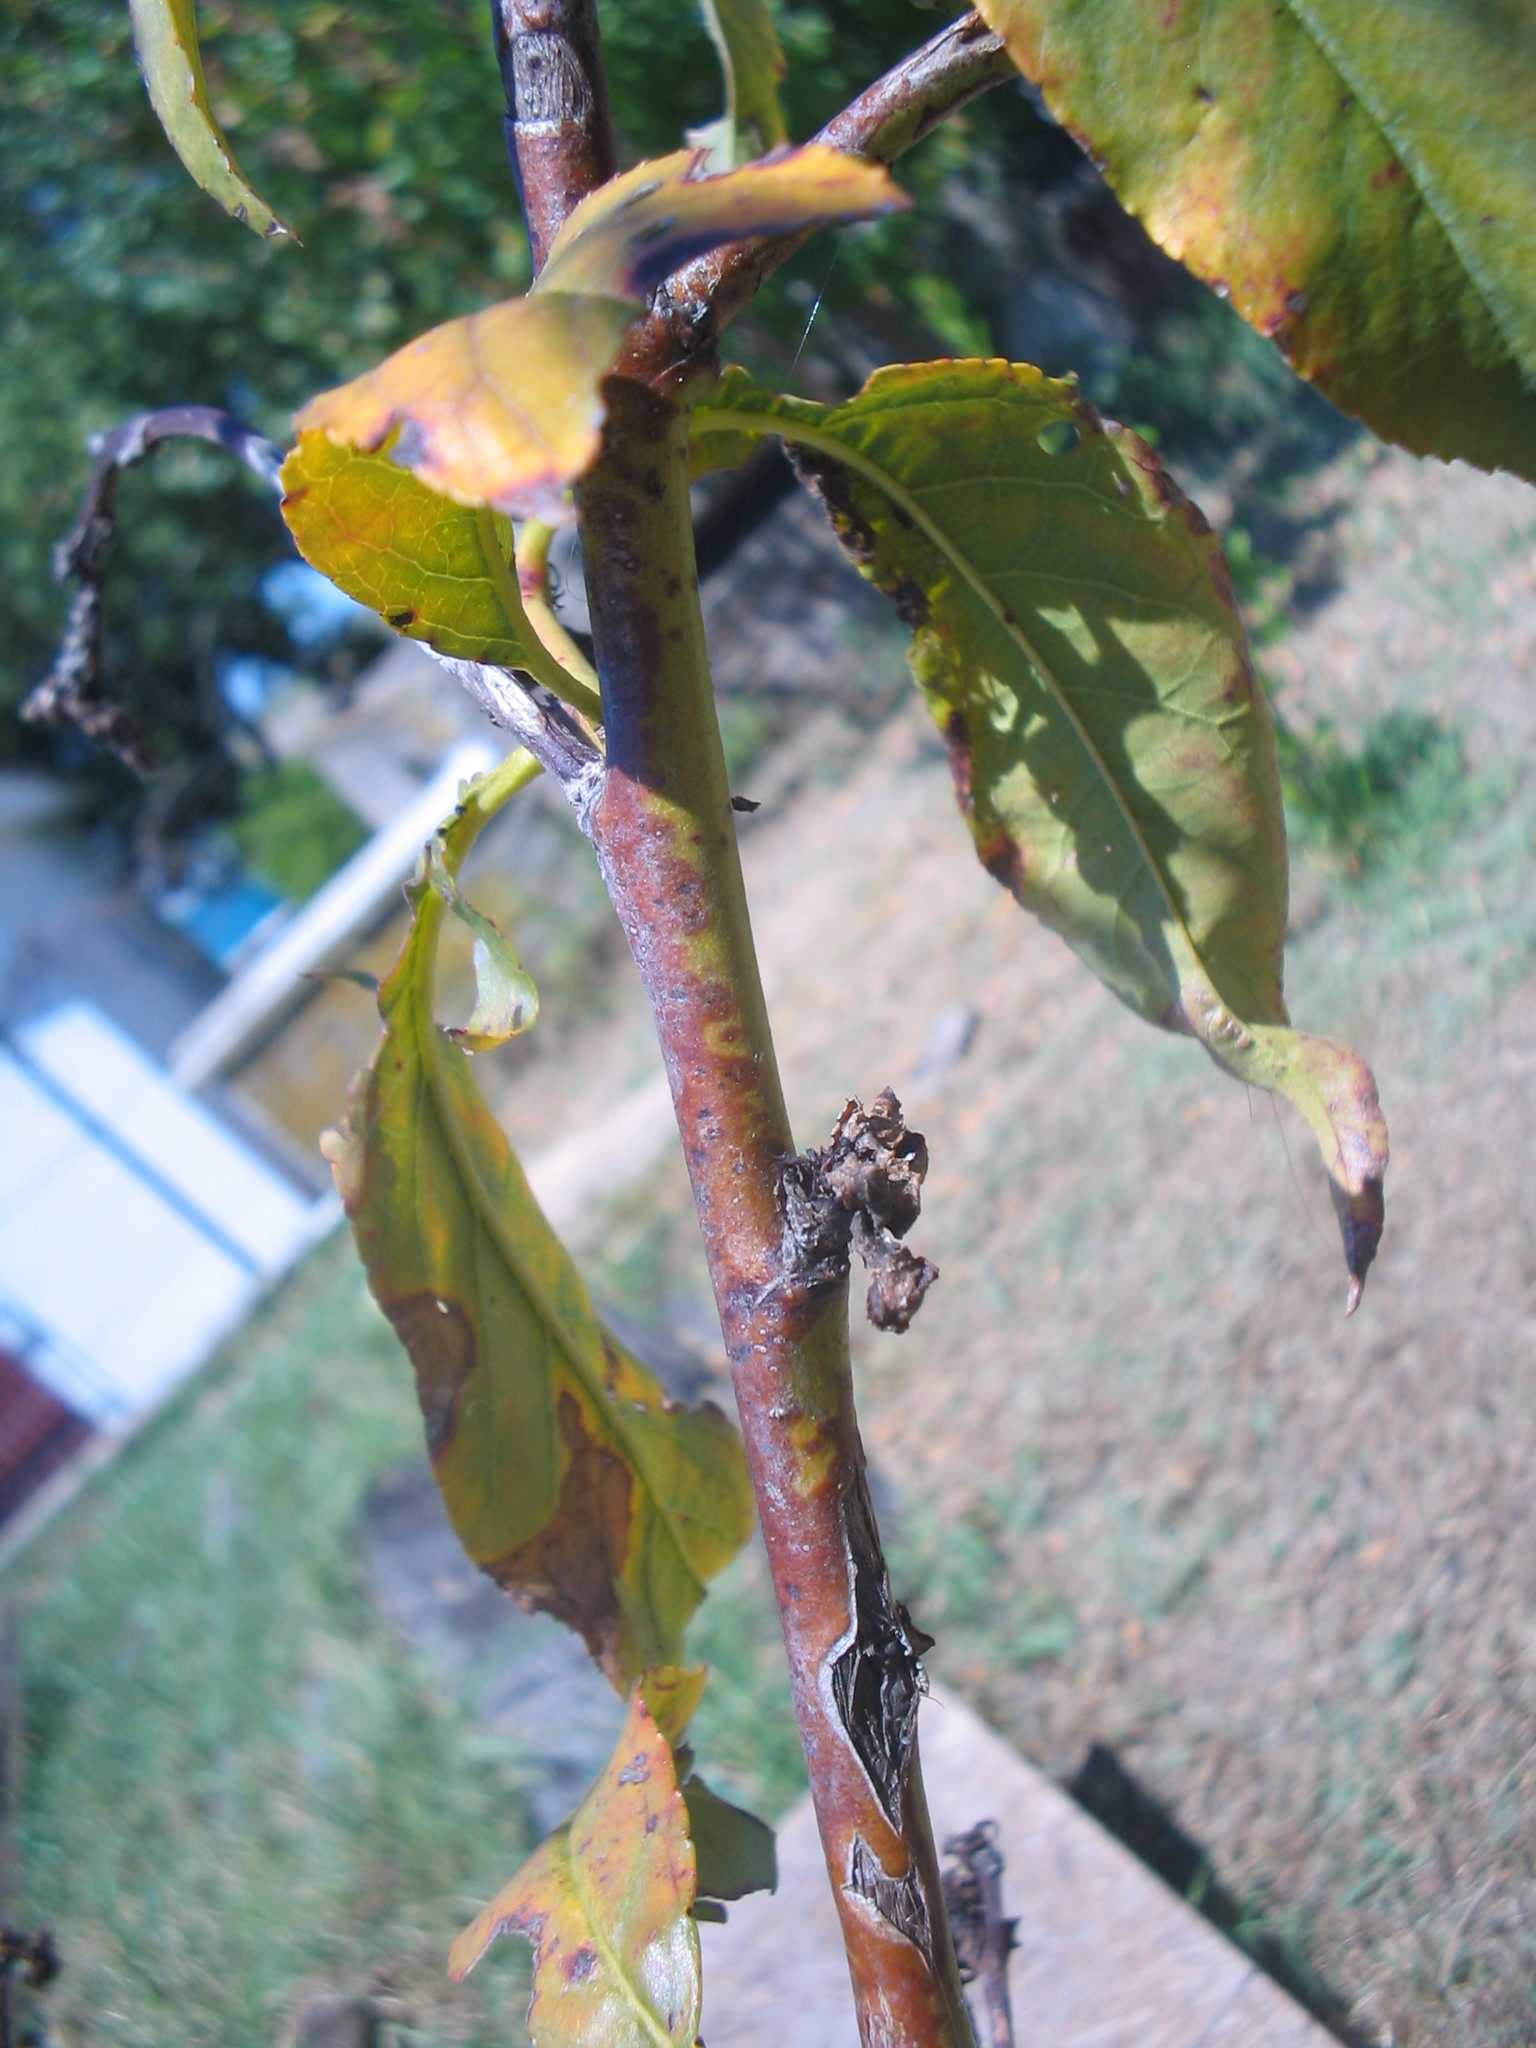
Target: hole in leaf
(1058,437)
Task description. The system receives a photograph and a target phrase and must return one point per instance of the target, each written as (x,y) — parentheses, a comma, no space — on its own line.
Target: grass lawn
(238,1785)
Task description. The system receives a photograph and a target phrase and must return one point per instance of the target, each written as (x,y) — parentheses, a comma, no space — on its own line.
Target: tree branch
(697,302)
(74,691)
(558,129)
(776,1229)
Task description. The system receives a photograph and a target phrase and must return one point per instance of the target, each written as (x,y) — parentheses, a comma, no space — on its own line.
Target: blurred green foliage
(379,136)
(292,830)
(1404,787)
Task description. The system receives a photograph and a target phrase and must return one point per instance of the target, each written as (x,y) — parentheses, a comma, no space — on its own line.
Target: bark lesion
(876,1673)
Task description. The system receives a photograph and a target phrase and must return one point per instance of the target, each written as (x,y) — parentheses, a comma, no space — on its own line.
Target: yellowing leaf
(566,1473)
(632,232)
(752,62)
(605,1903)
(501,408)
(434,570)
(1357,175)
(165,36)
(1077,642)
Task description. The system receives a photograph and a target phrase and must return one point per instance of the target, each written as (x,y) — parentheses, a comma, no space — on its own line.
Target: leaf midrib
(487,1215)
(653,2027)
(795,429)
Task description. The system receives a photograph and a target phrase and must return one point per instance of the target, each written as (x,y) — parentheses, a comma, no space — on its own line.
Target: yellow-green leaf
(1076,639)
(434,570)
(501,408)
(629,234)
(752,63)
(606,1904)
(165,36)
(506,999)
(1359,176)
(567,1474)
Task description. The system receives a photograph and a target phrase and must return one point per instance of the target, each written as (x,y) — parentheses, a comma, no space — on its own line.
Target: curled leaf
(165,36)
(506,998)
(1355,175)
(606,1904)
(501,408)
(567,1474)
(632,232)
(1075,637)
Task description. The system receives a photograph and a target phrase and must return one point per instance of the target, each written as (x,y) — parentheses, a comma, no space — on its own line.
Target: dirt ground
(1152,1491)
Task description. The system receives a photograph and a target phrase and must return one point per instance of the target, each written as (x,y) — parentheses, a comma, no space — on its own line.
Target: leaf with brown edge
(634,231)
(434,570)
(566,1473)
(606,1903)
(501,408)
(1357,176)
(1075,637)
(165,37)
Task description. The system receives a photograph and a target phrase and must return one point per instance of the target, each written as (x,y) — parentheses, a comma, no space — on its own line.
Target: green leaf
(1358,176)
(1076,639)
(605,1903)
(165,36)
(434,570)
(566,1473)
(752,62)
(734,1849)
(626,237)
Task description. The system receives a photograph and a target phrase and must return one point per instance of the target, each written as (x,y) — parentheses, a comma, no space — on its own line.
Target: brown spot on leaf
(400,620)
(1003,859)
(580,1964)
(441,1341)
(833,484)
(571,1568)
(636,1771)
(1389,174)
(957,742)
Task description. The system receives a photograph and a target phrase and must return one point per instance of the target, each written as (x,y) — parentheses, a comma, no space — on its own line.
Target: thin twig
(558,130)
(984,1936)
(882,123)
(74,691)
(540,722)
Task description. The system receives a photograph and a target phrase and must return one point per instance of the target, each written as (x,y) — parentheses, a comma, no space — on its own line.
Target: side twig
(984,1936)
(697,302)
(74,691)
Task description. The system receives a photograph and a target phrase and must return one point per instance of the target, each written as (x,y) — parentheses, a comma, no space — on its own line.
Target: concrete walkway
(1108,1956)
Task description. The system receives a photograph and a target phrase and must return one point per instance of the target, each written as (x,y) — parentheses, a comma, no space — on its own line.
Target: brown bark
(665,837)
(559,134)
